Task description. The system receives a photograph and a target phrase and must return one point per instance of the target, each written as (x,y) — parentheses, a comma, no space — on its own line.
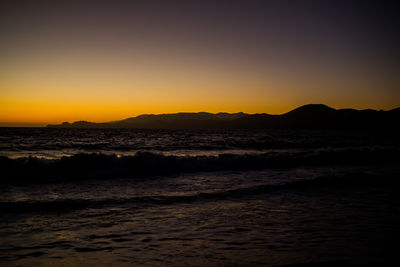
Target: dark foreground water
(188,198)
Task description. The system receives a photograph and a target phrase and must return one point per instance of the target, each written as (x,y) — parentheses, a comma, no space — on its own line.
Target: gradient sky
(108,60)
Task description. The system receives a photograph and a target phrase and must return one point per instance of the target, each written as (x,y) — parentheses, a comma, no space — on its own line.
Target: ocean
(126,197)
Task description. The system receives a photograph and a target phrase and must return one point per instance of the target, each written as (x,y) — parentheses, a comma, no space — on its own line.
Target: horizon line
(44,124)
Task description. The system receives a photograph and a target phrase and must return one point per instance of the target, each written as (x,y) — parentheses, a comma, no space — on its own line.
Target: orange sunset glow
(199,133)
(66,66)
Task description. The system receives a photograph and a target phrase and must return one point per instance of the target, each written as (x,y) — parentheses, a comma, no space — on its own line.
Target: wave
(146,164)
(25,141)
(320,185)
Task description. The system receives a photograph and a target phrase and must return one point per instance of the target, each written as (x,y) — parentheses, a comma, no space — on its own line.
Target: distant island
(311,116)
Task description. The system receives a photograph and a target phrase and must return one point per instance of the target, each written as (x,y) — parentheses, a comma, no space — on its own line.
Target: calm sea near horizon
(195,197)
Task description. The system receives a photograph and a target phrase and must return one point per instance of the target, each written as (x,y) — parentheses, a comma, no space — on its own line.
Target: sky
(109,60)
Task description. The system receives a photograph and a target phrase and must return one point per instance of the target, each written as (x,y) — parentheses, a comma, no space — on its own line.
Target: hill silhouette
(311,116)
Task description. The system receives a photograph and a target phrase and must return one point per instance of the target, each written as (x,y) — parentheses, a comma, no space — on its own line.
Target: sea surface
(123,197)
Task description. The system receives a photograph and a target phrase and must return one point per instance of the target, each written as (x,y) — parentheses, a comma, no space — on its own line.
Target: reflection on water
(266,198)
(55,143)
(191,219)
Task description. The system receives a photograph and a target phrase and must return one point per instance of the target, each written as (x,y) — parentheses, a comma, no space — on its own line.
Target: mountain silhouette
(311,116)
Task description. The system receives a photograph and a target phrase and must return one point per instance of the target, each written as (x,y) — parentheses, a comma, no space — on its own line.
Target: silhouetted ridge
(311,109)
(311,116)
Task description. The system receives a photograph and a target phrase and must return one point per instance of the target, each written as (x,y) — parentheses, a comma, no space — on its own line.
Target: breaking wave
(146,164)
